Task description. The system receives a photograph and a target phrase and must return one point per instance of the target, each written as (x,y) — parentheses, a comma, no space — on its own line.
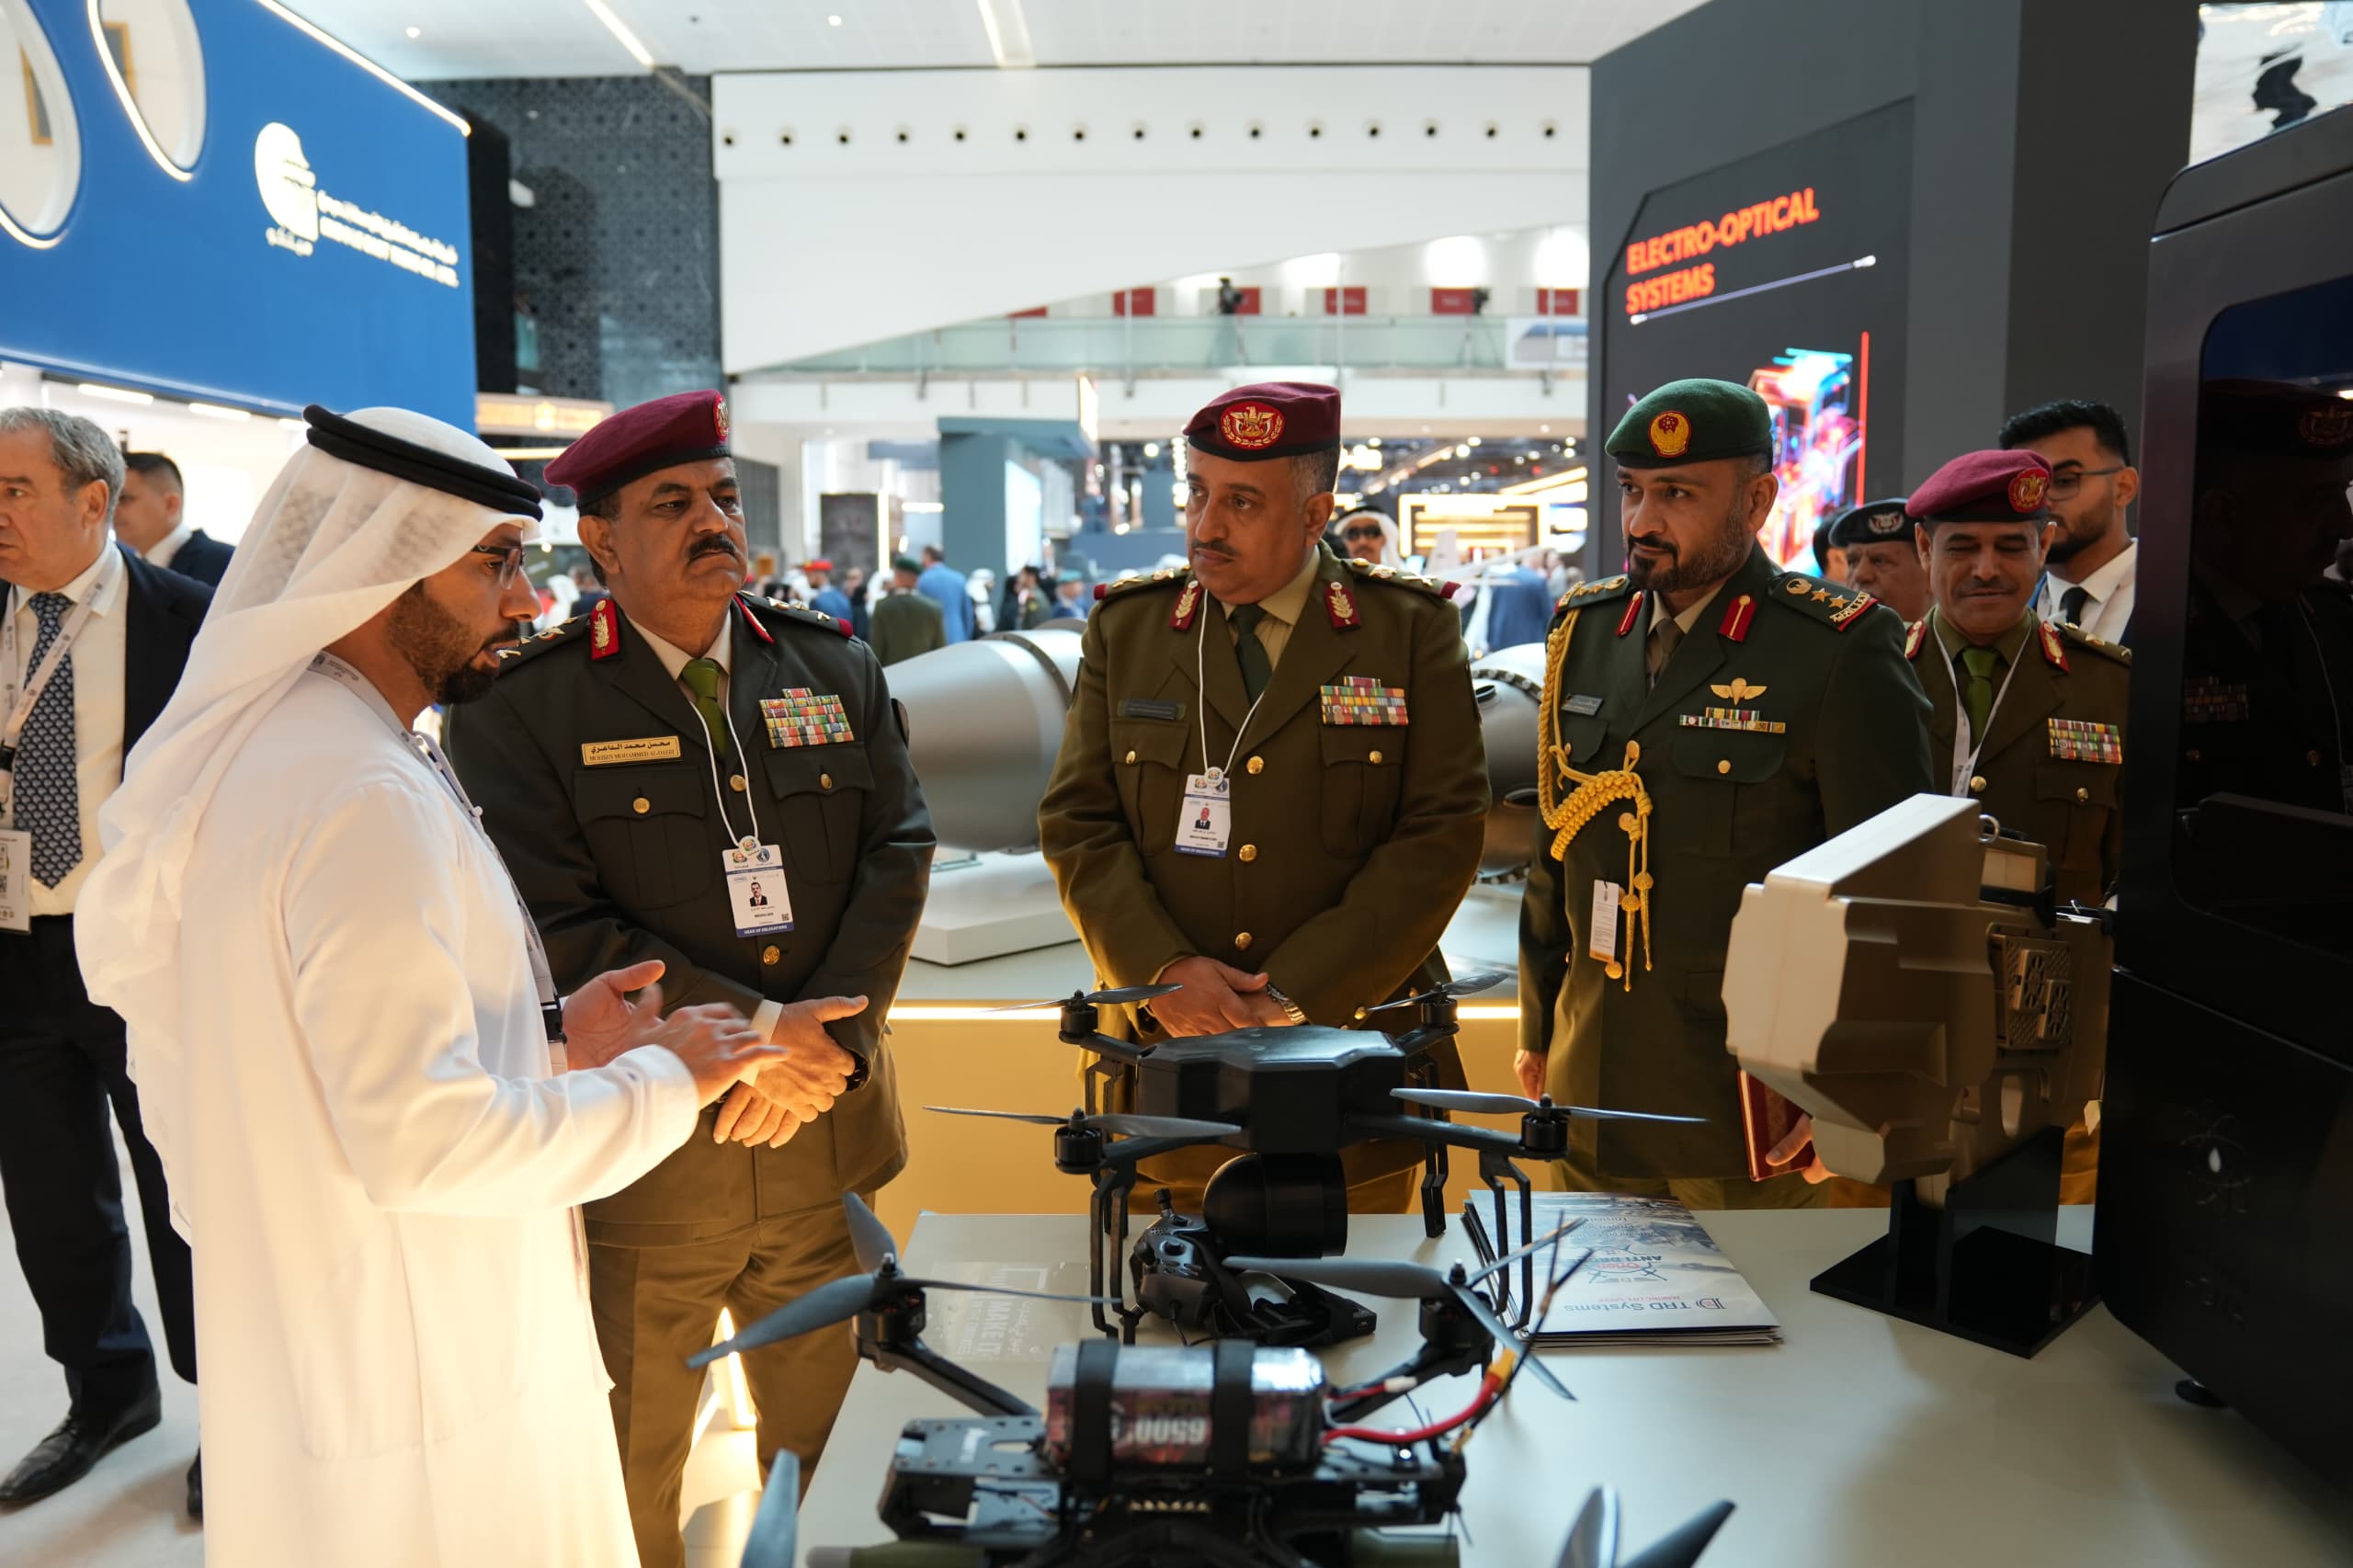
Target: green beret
(906,563)
(1692,421)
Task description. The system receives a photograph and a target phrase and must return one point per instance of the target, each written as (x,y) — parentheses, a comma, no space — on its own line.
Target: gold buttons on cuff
(1257,764)
(1131,760)
(1372,756)
(2083,797)
(825,782)
(641,805)
(1977,784)
(1723,765)
(771,953)
(1242,941)
(1249,853)
(736,782)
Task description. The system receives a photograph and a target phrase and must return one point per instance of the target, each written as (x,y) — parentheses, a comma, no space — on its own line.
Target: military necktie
(701,677)
(49,799)
(1977,696)
(1256,668)
(2073,603)
(1665,637)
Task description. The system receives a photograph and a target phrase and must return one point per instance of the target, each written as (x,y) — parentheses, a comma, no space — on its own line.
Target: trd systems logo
(301,214)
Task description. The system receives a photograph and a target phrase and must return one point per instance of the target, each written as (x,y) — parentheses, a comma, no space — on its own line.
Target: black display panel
(1786,272)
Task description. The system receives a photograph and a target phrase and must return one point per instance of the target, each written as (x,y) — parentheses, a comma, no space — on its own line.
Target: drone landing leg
(1434,1170)
(974,1392)
(1494,1170)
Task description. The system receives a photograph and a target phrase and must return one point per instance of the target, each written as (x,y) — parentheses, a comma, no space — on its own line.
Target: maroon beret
(2274,419)
(1269,419)
(684,427)
(1983,487)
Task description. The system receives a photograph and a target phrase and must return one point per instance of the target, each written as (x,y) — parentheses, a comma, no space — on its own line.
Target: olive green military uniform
(905,625)
(2054,745)
(595,781)
(1352,841)
(1784,717)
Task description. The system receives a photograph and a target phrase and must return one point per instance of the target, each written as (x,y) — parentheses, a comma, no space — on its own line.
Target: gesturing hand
(796,1091)
(600,1021)
(1217,997)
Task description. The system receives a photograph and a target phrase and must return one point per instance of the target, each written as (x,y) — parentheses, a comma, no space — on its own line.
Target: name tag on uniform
(647,748)
(755,890)
(1205,817)
(1583,706)
(1149,707)
(1601,931)
(16,880)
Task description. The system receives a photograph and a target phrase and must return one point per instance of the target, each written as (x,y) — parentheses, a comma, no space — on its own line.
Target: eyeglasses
(2065,484)
(510,561)
(1371,533)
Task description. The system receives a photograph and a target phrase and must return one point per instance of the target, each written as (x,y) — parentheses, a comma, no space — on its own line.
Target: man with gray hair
(93,641)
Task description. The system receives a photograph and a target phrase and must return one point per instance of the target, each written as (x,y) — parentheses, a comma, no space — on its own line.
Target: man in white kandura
(345,1039)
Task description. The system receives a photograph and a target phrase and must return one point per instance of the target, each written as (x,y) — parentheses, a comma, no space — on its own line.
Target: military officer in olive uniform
(1707,717)
(1271,786)
(1883,558)
(2025,714)
(640,770)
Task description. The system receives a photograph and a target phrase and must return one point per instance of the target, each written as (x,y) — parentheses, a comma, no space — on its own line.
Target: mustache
(718,544)
(1659,542)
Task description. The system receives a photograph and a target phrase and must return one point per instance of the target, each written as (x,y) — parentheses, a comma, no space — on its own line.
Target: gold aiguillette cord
(1567,813)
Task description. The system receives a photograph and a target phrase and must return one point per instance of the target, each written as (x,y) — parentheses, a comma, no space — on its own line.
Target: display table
(1861,1442)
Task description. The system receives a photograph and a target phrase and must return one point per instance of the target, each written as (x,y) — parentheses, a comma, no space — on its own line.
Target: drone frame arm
(969,1389)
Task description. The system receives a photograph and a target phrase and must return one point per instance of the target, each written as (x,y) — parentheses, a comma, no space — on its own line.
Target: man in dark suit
(126,627)
(148,516)
(638,769)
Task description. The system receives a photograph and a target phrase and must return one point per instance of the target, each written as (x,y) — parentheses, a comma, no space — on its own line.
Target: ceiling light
(1474,441)
(1543,429)
(416,32)
(214,411)
(1151,451)
(620,30)
(832,21)
(115,394)
(1008,32)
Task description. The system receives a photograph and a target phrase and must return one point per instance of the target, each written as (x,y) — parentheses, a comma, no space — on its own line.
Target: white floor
(131,1511)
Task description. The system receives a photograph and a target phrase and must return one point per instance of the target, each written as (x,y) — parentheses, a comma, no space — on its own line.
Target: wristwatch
(1275,996)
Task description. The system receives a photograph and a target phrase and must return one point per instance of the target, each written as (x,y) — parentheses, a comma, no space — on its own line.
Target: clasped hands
(1217,997)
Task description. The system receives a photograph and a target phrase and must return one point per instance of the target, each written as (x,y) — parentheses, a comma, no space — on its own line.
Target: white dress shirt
(100,657)
(160,553)
(2110,608)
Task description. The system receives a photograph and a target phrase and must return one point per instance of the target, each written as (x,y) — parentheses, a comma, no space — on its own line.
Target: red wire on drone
(1491,1388)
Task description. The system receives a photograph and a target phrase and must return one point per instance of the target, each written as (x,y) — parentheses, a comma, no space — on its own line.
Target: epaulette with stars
(1376,573)
(1831,604)
(786,611)
(1582,594)
(2083,639)
(539,642)
(1162,578)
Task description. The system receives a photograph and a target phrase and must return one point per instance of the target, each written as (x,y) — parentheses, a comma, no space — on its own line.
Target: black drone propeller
(1408,1282)
(1113,997)
(1518,1105)
(1121,1122)
(1594,1539)
(1468,985)
(842,1299)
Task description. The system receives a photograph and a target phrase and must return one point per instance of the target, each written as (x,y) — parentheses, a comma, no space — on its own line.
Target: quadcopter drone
(1233,1455)
(1290,1099)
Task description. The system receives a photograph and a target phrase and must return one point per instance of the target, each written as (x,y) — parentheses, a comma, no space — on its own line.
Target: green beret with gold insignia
(1692,421)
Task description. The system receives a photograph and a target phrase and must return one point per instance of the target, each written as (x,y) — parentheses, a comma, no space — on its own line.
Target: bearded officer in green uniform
(640,769)
(1706,718)
(1333,701)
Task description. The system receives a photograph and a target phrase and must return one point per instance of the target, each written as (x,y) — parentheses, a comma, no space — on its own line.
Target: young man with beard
(2088,579)
(1706,718)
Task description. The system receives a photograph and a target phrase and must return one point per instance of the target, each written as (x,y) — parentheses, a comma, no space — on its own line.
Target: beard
(440,648)
(2078,535)
(1708,560)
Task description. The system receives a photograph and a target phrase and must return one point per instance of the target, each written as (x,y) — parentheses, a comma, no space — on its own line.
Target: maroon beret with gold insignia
(2274,419)
(1269,419)
(1983,487)
(684,427)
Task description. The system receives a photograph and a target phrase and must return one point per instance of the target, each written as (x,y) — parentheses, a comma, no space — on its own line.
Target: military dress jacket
(1360,793)
(1785,717)
(2054,758)
(595,779)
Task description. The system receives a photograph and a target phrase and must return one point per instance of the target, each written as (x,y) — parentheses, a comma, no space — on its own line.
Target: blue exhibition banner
(292,230)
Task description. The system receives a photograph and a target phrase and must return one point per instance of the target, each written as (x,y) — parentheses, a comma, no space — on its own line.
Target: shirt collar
(1690,617)
(1286,603)
(675,658)
(2006,646)
(169,545)
(2101,584)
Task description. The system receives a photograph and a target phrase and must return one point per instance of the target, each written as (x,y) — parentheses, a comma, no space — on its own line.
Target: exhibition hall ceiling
(427,40)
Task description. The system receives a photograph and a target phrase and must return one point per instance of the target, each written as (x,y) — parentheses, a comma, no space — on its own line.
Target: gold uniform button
(1131,759)
(1373,758)
(771,953)
(825,782)
(736,782)
(1257,764)
(2083,797)
(1723,765)
(641,805)
(1249,853)
(1242,941)
(1977,784)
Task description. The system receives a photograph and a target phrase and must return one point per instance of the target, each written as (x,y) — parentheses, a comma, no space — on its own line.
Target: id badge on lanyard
(753,872)
(1205,817)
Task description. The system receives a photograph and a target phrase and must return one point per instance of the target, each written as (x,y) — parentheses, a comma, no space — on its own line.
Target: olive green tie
(1977,696)
(1256,668)
(701,677)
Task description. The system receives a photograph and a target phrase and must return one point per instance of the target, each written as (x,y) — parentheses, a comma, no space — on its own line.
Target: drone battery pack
(1162,1400)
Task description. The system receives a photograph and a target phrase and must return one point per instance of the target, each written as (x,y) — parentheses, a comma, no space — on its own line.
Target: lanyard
(710,755)
(423,748)
(21,711)
(1965,763)
(1202,704)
